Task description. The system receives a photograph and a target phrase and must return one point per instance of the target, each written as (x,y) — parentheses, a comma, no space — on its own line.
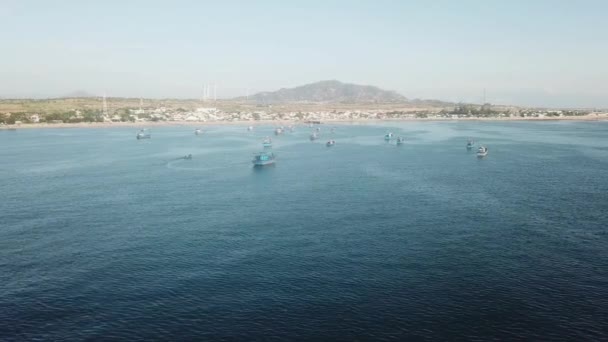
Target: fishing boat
(198,131)
(313,136)
(187,157)
(470,144)
(143,134)
(482,151)
(400,140)
(388,136)
(263,159)
(330,143)
(267,142)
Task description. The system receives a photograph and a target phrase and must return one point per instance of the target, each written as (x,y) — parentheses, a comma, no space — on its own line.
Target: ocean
(104,237)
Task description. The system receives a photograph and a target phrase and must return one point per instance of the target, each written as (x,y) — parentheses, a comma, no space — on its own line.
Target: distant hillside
(432,103)
(330,92)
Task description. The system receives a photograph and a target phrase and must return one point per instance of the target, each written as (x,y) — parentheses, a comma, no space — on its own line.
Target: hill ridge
(330,91)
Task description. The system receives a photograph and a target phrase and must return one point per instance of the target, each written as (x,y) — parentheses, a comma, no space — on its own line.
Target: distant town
(267,113)
(321,101)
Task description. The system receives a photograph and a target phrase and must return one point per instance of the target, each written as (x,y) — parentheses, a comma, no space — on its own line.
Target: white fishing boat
(143,134)
(482,151)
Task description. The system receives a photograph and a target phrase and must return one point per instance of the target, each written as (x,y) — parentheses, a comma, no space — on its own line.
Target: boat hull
(264,163)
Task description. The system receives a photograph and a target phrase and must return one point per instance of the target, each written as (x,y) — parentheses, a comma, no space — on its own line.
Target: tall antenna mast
(484,95)
(105,106)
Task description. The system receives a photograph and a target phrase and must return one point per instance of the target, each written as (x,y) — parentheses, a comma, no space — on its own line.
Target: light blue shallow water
(106,237)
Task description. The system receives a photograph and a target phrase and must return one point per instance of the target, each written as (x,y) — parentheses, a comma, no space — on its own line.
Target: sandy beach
(150,124)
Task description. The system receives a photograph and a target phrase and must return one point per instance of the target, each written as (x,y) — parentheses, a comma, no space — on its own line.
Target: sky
(529,53)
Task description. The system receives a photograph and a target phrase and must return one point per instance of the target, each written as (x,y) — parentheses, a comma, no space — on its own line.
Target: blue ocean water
(106,237)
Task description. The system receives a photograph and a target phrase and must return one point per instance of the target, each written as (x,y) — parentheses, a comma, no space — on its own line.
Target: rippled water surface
(106,237)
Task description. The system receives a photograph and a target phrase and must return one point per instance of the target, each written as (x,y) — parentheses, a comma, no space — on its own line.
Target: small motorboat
(267,143)
(278,131)
(250,128)
(187,157)
(198,131)
(388,136)
(330,143)
(482,151)
(143,134)
(400,141)
(314,136)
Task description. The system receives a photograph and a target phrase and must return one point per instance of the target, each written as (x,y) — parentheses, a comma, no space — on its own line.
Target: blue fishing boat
(470,145)
(263,159)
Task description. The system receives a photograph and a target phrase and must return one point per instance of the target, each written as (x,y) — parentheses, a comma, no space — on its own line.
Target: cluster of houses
(213,114)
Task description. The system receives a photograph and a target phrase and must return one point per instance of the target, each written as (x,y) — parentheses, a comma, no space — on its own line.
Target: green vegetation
(474,110)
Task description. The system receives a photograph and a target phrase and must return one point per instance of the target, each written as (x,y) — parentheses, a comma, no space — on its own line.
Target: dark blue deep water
(106,237)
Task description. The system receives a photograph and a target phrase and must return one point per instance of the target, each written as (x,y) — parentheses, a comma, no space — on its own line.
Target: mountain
(330,92)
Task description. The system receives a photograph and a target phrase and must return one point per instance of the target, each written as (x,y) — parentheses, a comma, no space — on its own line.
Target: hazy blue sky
(535,52)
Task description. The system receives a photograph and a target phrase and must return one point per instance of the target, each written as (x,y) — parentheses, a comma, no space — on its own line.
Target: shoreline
(148,124)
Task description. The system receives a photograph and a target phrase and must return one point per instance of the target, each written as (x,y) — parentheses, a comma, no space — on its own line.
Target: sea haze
(106,237)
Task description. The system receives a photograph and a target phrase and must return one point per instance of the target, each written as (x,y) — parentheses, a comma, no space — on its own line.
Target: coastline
(149,124)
